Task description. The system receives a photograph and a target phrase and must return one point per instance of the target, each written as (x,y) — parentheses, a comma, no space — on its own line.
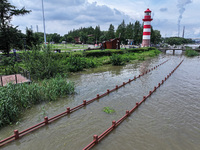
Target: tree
(7,11)
(177,41)
(111,32)
(83,37)
(121,31)
(129,31)
(97,33)
(137,33)
(32,39)
(155,36)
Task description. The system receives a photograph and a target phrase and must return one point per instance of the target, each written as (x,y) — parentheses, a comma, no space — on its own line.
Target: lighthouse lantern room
(147,28)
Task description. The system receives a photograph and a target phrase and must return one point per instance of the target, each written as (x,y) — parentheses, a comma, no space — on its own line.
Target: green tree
(129,31)
(103,36)
(83,37)
(177,41)
(97,33)
(7,11)
(121,32)
(53,37)
(155,36)
(111,32)
(137,33)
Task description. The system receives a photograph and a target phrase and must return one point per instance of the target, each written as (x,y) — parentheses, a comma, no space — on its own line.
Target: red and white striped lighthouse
(147,28)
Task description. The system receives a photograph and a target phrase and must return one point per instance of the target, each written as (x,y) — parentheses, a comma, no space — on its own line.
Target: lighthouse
(147,28)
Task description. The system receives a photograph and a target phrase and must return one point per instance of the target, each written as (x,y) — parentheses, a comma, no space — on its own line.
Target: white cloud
(64,15)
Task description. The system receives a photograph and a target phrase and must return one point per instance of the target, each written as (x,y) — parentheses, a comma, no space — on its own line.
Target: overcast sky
(64,15)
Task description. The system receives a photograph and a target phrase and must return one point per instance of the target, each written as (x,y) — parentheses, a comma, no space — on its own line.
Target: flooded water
(169,119)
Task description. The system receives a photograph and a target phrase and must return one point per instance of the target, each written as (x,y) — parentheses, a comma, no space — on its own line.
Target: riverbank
(170,113)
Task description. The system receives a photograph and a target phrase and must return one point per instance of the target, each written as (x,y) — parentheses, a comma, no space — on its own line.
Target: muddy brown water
(169,119)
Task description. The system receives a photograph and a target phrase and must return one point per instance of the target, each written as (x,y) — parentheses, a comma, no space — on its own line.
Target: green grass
(14,99)
(69,47)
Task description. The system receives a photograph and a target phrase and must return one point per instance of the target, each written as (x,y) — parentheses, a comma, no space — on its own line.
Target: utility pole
(44,24)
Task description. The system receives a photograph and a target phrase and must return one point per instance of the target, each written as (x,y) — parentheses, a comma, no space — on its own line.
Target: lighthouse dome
(148,10)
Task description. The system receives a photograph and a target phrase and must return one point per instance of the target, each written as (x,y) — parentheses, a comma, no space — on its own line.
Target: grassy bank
(14,99)
(45,63)
(44,66)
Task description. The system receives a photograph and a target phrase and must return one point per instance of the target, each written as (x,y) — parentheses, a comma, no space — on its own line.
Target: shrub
(117,60)
(79,63)
(191,53)
(41,65)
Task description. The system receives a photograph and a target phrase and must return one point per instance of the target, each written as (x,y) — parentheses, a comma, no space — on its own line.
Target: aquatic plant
(14,99)
(108,110)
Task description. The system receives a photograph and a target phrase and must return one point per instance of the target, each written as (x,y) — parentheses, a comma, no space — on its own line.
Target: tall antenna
(44,23)
(183,32)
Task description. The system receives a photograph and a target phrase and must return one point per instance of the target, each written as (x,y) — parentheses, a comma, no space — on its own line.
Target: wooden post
(16,78)
(1,81)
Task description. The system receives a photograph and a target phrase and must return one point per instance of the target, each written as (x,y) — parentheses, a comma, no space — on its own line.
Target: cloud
(65,15)
(163,9)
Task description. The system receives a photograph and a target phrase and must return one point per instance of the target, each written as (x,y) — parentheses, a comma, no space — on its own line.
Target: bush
(15,98)
(8,64)
(42,65)
(117,60)
(79,63)
(191,53)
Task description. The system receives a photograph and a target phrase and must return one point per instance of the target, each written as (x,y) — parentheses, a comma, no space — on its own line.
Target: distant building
(77,40)
(112,44)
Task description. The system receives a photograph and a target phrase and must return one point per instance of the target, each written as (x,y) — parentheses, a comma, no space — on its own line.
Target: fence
(97,139)
(69,110)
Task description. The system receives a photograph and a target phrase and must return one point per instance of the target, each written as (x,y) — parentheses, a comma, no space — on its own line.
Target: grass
(69,47)
(14,99)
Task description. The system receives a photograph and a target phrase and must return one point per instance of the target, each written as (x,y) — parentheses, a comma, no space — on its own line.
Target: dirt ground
(4,80)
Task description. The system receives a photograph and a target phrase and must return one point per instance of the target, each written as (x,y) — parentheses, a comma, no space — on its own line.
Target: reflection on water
(169,119)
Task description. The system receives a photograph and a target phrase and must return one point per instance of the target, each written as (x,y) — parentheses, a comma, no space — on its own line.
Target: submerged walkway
(14,79)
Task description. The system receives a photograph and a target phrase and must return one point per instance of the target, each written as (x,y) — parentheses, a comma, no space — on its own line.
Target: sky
(61,16)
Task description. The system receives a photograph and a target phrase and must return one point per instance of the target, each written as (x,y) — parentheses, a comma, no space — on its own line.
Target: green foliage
(8,33)
(117,60)
(191,53)
(108,110)
(41,65)
(14,99)
(79,63)
(9,65)
(177,41)
(121,32)
(111,32)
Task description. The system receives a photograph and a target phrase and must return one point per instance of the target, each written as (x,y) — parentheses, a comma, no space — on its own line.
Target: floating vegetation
(108,110)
